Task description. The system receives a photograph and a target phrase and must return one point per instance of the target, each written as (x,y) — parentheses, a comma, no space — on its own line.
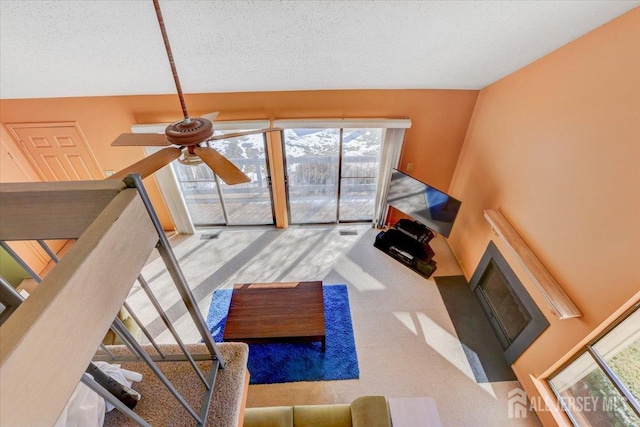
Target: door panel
(250,203)
(212,202)
(312,160)
(359,173)
(58,150)
(332,174)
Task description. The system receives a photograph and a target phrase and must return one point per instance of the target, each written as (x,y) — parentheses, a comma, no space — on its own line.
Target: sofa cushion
(370,411)
(277,416)
(322,415)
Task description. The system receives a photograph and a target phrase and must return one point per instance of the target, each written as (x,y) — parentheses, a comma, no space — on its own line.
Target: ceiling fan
(188,136)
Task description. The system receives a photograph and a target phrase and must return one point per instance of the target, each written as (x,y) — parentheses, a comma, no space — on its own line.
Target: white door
(58,150)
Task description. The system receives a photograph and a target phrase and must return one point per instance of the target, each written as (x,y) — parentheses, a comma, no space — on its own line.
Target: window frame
(616,382)
(341,126)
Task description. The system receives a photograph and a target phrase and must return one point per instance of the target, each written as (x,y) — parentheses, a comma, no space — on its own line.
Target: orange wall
(440,119)
(14,168)
(556,147)
(100,119)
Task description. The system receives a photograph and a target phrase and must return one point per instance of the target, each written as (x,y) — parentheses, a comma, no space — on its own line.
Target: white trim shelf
(342,123)
(217,125)
(561,305)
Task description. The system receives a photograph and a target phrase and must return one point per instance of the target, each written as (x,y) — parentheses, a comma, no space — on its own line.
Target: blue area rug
(282,362)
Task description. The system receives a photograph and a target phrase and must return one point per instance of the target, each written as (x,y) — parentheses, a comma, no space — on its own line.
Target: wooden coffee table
(276,312)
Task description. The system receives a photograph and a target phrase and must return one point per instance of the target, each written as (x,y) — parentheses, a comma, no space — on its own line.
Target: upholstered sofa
(366,411)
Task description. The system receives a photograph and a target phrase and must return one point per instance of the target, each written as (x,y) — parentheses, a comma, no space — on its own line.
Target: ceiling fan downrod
(174,71)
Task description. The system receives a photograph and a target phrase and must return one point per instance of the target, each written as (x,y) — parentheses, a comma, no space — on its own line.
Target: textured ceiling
(90,47)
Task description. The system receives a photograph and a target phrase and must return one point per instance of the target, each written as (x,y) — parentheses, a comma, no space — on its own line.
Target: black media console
(408,242)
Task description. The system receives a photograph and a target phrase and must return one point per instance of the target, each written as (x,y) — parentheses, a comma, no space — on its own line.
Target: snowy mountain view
(305,142)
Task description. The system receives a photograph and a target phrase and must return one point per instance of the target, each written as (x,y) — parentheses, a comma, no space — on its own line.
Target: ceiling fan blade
(226,170)
(211,116)
(140,140)
(237,134)
(150,164)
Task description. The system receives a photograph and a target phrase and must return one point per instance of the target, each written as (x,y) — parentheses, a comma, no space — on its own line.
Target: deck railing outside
(312,180)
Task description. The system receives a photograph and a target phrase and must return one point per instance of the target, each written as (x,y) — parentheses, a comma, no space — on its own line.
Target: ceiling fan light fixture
(189,159)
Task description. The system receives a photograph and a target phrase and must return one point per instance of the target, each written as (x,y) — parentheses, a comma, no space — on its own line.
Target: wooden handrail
(560,303)
(50,339)
(52,210)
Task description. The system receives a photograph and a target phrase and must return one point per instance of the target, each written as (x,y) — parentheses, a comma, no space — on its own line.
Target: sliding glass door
(312,159)
(359,173)
(212,202)
(331,174)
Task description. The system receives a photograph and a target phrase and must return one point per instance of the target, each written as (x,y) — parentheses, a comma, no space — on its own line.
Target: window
(332,173)
(336,170)
(601,387)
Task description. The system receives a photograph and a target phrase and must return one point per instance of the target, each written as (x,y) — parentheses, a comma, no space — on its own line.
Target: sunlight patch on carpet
(407,321)
(356,275)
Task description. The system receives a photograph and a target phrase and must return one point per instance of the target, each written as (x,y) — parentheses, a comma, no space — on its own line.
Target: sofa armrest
(370,411)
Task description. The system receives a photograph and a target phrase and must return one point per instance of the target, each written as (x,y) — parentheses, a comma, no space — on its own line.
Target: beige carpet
(406,343)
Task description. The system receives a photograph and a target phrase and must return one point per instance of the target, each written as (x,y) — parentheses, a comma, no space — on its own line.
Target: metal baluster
(143,329)
(169,258)
(169,325)
(49,251)
(93,385)
(106,350)
(124,333)
(19,260)
(116,331)
(10,298)
(8,294)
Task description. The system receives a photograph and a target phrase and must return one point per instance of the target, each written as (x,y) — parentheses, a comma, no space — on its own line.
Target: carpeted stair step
(159,407)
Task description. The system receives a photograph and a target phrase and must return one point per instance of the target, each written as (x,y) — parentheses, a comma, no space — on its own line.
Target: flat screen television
(423,203)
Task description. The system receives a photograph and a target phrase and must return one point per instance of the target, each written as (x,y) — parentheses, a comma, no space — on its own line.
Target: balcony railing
(312,181)
(309,173)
